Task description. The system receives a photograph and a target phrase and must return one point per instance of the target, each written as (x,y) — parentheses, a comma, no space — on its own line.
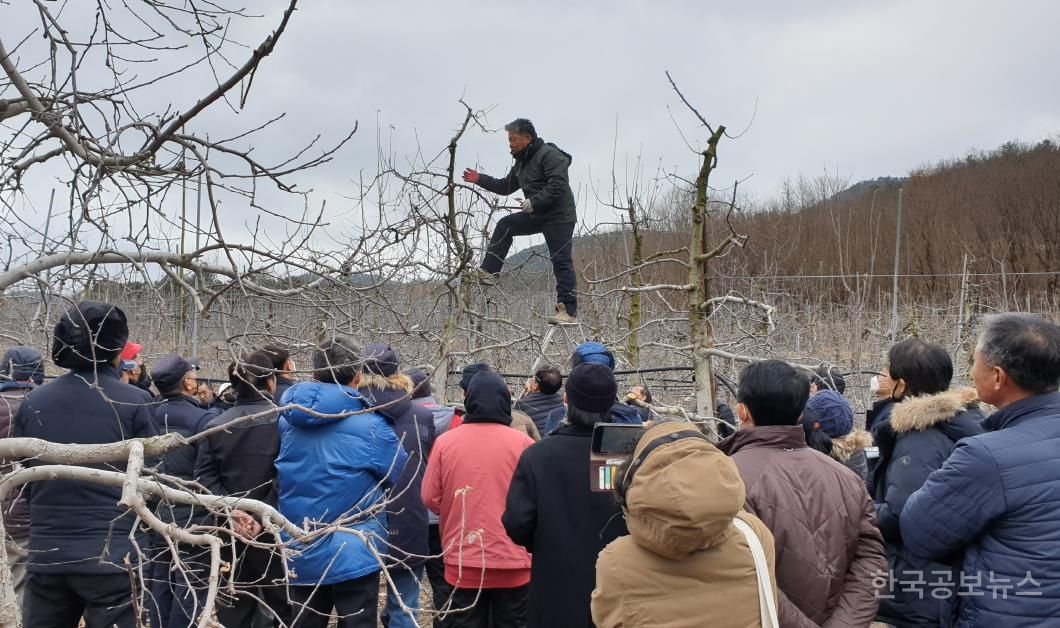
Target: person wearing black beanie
(552,511)
(78,533)
(591,388)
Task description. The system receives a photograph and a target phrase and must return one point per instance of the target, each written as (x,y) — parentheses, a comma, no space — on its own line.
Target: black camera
(612,445)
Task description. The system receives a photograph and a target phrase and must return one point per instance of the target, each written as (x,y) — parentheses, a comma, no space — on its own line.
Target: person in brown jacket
(686,561)
(828,546)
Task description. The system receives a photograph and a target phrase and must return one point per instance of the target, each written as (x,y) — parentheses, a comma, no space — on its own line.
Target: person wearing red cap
(133,369)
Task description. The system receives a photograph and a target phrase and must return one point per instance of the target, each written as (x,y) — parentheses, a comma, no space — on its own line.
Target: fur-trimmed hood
(846,447)
(921,413)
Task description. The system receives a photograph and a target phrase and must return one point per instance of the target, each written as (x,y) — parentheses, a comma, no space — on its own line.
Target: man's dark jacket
(16,510)
(996,500)
(552,512)
(239,461)
(78,527)
(185,416)
(406,514)
(282,384)
(878,413)
(914,441)
(543,409)
(540,171)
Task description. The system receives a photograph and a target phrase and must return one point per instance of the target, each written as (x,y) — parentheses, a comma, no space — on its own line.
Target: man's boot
(561,317)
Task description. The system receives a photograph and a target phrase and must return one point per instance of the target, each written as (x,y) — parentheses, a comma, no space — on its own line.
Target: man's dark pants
(356,602)
(259,572)
(435,567)
(557,238)
(495,608)
(60,600)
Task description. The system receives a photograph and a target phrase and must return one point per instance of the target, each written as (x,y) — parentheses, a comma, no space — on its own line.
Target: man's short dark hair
(925,367)
(337,361)
(829,377)
(522,126)
(279,355)
(774,392)
(585,418)
(549,380)
(1026,347)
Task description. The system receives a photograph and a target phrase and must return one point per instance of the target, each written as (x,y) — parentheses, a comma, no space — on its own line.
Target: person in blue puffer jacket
(333,469)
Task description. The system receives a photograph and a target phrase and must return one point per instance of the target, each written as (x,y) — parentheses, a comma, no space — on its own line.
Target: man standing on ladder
(540,171)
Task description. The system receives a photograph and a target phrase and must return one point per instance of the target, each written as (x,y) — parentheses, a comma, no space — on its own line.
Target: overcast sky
(864,89)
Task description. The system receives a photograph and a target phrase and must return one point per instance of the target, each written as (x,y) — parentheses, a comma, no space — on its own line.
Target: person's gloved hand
(528,207)
(471,175)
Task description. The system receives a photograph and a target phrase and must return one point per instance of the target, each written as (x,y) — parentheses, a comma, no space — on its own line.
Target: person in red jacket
(466,484)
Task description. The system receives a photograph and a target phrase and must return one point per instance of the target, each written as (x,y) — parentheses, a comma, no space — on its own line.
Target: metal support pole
(897,255)
(198,286)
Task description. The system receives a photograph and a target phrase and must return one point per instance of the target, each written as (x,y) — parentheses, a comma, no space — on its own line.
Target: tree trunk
(633,340)
(700,307)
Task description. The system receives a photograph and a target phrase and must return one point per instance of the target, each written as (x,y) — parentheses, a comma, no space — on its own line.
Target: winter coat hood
(488,400)
(683,563)
(940,411)
(846,447)
(323,398)
(392,400)
(684,495)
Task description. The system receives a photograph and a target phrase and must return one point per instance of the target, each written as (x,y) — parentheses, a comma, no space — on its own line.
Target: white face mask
(874,384)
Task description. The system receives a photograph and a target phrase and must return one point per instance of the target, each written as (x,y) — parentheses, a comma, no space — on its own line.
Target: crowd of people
(787,521)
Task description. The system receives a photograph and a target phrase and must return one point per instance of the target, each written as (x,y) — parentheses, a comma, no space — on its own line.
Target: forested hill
(1001,208)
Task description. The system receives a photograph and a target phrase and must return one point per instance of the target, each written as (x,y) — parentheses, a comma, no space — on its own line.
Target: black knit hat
(591,387)
(380,359)
(88,334)
(21,364)
(421,385)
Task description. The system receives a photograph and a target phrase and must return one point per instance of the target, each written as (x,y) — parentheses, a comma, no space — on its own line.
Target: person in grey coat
(540,171)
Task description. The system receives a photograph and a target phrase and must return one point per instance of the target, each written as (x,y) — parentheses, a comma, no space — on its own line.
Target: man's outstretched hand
(471,175)
(244,524)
